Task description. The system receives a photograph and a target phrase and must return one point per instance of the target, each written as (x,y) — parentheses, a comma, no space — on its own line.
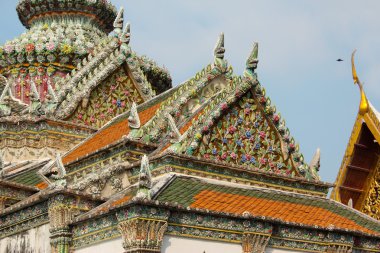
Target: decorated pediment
(187,99)
(244,128)
(113,97)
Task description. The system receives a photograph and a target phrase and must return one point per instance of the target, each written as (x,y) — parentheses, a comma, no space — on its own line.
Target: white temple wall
(269,250)
(173,244)
(35,240)
(111,246)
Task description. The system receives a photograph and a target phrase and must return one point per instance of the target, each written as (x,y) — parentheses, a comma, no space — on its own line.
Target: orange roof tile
(107,135)
(42,185)
(285,211)
(297,209)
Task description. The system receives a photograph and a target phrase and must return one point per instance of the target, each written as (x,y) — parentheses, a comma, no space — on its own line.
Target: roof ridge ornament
(219,51)
(219,47)
(51,100)
(35,105)
(173,127)
(253,60)
(134,119)
(145,180)
(8,103)
(126,35)
(315,164)
(61,181)
(363,107)
(119,22)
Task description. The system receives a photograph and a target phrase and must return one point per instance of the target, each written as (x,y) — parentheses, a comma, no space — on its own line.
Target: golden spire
(363,108)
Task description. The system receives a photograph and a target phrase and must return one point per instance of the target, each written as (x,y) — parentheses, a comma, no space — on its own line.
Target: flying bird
(339,59)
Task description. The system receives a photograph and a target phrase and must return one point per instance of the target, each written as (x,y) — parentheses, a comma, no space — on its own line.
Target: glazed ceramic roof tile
(107,135)
(267,204)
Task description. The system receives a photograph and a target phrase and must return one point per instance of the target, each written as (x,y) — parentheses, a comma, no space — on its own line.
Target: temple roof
(216,116)
(222,198)
(357,180)
(25,173)
(360,166)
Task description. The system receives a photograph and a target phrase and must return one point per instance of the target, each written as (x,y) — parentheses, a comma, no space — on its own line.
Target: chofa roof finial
(219,47)
(363,108)
(126,36)
(145,179)
(134,119)
(119,21)
(315,164)
(253,60)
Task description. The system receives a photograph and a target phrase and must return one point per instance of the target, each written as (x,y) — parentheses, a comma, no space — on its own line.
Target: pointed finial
(134,119)
(60,178)
(145,179)
(119,21)
(219,47)
(126,36)
(252,60)
(363,108)
(315,164)
(60,166)
(174,130)
(350,203)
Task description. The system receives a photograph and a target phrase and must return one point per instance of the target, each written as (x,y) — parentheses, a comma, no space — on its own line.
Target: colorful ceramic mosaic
(244,136)
(209,159)
(113,97)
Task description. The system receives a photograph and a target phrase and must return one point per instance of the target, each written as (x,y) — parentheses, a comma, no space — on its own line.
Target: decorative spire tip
(219,47)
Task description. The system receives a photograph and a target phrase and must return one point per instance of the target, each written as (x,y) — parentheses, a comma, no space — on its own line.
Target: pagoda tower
(60,35)
(67,75)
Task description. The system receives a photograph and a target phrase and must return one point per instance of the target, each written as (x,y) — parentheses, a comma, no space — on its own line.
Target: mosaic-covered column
(142,235)
(254,243)
(142,228)
(61,213)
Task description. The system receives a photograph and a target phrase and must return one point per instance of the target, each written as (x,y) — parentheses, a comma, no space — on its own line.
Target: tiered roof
(359,174)
(216,116)
(214,148)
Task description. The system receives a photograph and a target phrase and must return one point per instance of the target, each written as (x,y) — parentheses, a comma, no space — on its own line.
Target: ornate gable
(243,127)
(113,97)
(187,100)
(244,135)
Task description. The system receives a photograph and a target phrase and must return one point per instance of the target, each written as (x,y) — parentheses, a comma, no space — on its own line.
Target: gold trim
(335,195)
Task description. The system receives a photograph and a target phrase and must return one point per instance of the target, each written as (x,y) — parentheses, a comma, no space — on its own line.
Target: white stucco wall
(269,250)
(172,244)
(111,246)
(35,240)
